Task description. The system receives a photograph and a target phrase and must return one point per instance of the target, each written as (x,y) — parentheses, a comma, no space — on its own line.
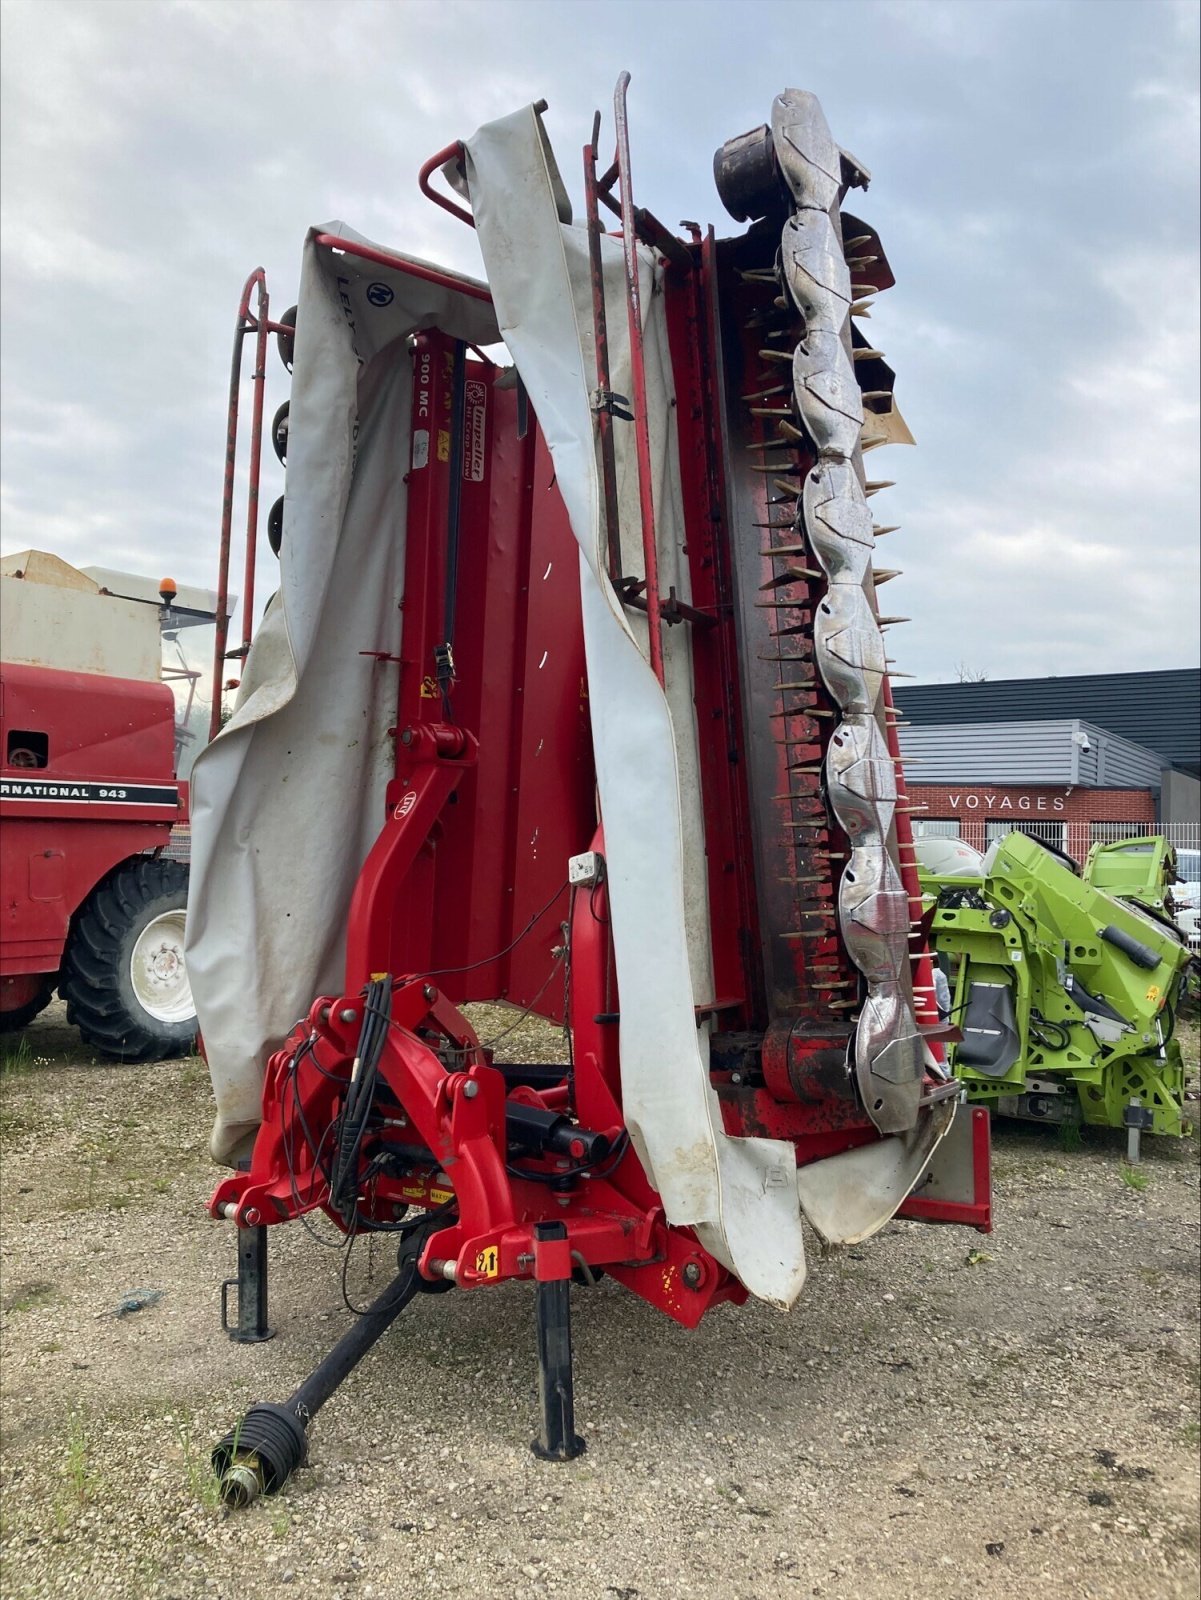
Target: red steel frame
(442,1092)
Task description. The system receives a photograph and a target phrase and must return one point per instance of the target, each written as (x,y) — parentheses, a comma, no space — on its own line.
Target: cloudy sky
(1034,182)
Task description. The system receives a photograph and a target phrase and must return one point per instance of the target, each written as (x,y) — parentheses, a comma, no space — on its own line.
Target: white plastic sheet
(289,798)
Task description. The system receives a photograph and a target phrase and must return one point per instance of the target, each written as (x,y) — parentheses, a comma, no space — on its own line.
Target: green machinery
(1064,995)
(1141,870)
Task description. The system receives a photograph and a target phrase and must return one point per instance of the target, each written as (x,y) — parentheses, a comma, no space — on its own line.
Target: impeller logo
(379,294)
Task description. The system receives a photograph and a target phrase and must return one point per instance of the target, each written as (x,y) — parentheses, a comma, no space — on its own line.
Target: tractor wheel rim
(157,971)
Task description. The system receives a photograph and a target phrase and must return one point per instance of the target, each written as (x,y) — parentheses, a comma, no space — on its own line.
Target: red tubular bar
(642,434)
(256,456)
(414,269)
(451,153)
(241,328)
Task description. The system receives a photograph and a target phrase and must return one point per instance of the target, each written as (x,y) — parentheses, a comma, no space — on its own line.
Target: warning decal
(487,1262)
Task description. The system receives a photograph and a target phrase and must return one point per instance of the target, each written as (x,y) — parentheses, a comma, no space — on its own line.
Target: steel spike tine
(867,355)
(791,575)
(872,488)
(880,532)
(860,238)
(885,574)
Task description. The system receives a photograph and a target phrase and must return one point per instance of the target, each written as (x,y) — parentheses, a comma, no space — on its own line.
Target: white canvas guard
(288,800)
(739,1194)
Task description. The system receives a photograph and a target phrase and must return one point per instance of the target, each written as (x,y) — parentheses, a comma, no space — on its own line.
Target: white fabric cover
(739,1194)
(288,799)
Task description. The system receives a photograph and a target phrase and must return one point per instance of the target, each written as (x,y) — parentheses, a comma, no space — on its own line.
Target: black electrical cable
(443,972)
(409,1226)
(487,1044)
(315,1151)
(1171,1027)
(1038,1021)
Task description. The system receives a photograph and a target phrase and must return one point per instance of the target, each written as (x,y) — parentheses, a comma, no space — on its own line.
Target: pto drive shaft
(261,1452)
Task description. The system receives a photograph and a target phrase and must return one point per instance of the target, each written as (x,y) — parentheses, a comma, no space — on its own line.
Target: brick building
(984,758)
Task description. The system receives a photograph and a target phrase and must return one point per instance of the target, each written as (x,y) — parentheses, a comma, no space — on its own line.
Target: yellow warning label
(429,688)
(443,444)
(417,1191)
(487,1262)
(1153,992)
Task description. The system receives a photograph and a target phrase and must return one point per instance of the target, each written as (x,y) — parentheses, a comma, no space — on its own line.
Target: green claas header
(1065,996)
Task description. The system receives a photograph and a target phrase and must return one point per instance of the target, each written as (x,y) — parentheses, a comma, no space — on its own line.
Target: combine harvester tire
(123,976)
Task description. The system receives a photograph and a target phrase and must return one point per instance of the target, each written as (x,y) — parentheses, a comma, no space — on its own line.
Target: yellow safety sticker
(487,1262)
(443,445)
(430,689)
(416,1191)
(1153,992)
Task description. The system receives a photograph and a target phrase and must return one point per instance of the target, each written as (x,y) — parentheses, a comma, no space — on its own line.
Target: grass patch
(16,1057)
(81,1478)
(28,1296)
(1135,1178)
(198,1470)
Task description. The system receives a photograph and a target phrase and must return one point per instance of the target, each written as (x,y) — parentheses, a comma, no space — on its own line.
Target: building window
(1051,833)
(936,828)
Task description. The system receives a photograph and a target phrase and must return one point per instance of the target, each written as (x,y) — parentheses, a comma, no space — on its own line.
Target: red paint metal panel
(110,746)
(500,848)
(976,1213)
(41,853)
(553,774)
(98,728)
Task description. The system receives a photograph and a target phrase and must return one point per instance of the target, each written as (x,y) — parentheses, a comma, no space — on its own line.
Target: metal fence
(1075,838)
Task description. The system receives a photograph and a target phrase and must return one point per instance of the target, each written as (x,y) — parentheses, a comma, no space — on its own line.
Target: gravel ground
(1023,1423)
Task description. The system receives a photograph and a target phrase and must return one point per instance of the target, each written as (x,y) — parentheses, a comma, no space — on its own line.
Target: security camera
(1082,740)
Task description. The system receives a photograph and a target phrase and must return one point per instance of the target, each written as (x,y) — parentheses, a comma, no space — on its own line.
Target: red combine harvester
(575,696)
(89,797)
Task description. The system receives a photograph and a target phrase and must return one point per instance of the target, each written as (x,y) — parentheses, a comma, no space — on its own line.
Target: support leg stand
(251,1284)
(557,1439)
